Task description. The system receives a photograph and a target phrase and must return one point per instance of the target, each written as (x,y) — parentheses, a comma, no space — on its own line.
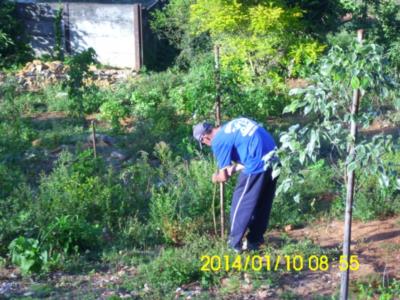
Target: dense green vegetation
(61,207)
(13,44)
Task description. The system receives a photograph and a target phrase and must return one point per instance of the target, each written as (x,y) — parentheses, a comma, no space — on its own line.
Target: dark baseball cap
(200,130)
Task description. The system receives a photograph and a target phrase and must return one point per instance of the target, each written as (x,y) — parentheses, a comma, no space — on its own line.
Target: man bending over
(242,144)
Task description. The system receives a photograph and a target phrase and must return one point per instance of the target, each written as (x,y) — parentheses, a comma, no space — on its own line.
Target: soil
(376,244)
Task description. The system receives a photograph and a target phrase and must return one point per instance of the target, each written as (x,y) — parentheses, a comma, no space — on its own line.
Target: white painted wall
(107,28)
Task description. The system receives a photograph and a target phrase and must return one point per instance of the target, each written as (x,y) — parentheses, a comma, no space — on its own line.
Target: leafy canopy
(325,104)
(258,38)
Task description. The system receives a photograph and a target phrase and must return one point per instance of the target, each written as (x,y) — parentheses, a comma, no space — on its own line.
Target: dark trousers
(251,207)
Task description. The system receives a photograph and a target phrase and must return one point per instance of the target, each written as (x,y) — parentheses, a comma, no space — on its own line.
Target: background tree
(13,44)
(171,23)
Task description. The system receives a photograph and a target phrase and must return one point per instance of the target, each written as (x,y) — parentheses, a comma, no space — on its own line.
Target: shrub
(14,47)
(74,85)
(27,254)
(289,209)
(196,93)
(16,215)
(372,287)
(112,111)
(151,91)
(83,187)
(174,267)
(15,133)
(69,234)
(374,201)
(181,200)
(138,234)
(172,23)
(9,177)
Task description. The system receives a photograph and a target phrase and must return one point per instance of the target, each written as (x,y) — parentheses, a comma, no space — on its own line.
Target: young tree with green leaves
(333,112)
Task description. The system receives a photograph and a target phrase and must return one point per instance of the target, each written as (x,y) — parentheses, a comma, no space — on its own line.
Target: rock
(37,142)
(102,140)
(38,68)
(117,155)
(146,288)
(289,227)
(108,294)
(39,73)
(225,281)
(8,287)
(59,149)
(36,62)
(108,140)
(56,66)
(246,288)
(92,68)
(178,293)
(29,66)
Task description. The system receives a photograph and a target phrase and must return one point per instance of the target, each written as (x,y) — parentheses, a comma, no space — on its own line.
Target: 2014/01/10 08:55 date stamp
(216,263)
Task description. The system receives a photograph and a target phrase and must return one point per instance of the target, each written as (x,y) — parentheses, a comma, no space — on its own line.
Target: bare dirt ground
(376,244)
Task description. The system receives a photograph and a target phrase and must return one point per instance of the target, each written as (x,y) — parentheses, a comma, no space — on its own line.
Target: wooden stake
(218,123)
(213,211)
(217,87)
(344,284)
(94,139)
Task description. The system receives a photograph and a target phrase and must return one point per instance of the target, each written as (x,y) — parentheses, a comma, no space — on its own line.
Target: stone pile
(37,74)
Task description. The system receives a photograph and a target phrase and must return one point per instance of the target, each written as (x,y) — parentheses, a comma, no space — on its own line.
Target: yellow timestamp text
(216,263)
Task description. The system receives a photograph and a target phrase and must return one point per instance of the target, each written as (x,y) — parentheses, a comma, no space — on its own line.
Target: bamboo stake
(344,284)
(94,139)
(218,123)
(213,210)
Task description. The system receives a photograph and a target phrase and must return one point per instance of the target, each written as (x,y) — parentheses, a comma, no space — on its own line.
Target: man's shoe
(250,246)
(253,246)
(236,249)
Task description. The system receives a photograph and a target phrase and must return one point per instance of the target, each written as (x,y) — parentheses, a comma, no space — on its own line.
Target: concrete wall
(39,25)
(108,28)
(112,30)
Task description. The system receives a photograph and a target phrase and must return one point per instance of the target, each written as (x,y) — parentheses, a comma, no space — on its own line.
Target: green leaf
(351,166)
(26,264)
(276,172)
(284,186)
(292,107)
(302,157)
(307,109)
(296,198)
(355,82)
(384,180)
(365,82)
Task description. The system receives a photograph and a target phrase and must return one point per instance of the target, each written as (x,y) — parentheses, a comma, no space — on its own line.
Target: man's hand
(220,176)
(224,174)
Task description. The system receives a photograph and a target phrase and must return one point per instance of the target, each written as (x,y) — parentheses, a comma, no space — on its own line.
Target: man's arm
(224,174)
(220,176)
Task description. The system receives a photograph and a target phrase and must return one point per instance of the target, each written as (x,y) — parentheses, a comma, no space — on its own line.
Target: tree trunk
(218,123)
(94,139)
(344,285)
